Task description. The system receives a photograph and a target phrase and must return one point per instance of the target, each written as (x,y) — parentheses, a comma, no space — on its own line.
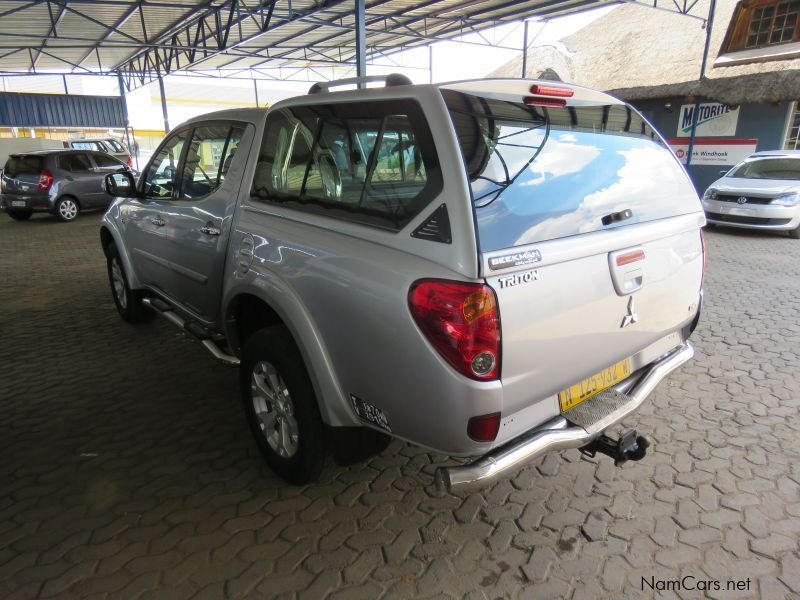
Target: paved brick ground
(126,469)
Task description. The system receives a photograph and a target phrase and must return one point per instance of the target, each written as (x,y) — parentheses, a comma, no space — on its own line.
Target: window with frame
(162,175)
(107,163)
(74,163)
(208,158)
(373,163)
(793,134)
(763,23)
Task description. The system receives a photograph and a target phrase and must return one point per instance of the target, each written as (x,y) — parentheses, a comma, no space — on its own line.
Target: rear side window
(87,146)
(75,163)
(107,162)
(23,165)
(373,163)
(541,173)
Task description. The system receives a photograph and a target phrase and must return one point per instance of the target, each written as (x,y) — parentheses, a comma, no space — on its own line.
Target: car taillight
(559,92)
(462,322)
(45,180)
(130,162)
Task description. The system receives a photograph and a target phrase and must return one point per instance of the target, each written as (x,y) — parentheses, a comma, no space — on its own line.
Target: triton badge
(517,278)
(517,259)
(631,317)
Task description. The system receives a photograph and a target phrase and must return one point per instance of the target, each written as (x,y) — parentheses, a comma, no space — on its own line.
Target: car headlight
(711,194)
(790,199)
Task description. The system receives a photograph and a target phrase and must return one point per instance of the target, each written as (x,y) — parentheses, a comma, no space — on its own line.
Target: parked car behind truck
(60,182)
(494,268)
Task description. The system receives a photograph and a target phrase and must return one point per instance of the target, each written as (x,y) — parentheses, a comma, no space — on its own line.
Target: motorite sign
(713,119)
(725,153)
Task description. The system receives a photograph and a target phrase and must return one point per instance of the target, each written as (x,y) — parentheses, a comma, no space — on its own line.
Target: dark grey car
(61,182)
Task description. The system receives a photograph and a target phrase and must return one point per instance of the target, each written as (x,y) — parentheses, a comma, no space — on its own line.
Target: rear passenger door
(199,218)
(79,179)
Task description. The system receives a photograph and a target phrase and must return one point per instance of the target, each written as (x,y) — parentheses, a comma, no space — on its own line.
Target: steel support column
(525,49)
(430,63)
(361,40)
(255,90)
(121,84)
(163,102)
(696,112)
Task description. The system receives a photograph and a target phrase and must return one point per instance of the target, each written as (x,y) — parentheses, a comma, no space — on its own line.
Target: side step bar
(556,434)
(165,310)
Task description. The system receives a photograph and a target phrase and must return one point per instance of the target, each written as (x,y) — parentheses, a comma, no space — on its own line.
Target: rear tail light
(484,428)
(558,92)
(130,162)
(45,180)
(462,323)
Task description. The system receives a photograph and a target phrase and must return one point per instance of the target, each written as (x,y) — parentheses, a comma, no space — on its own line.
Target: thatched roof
(636,52)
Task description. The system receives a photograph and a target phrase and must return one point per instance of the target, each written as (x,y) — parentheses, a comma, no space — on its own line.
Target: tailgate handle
(627,270)
(617,216)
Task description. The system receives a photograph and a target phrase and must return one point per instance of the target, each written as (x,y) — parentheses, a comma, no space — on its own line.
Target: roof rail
(390,80)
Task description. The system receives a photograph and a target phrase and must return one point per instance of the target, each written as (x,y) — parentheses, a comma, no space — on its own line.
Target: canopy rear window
(541,173)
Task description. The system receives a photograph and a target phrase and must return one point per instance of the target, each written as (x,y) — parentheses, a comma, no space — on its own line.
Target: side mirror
(120,184)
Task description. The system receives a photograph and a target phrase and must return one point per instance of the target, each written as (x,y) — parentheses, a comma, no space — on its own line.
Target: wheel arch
(249,310)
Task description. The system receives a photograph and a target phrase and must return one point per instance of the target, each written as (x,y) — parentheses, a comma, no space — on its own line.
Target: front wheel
(281,407)
(67,209)
(128,301)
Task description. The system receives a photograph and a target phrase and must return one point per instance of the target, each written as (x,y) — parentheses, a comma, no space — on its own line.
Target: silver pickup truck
(492,269)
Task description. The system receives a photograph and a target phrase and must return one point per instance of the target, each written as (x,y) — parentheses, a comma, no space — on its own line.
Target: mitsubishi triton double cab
(491,269)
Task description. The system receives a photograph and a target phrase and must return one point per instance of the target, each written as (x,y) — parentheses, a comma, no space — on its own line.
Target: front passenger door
(145,217)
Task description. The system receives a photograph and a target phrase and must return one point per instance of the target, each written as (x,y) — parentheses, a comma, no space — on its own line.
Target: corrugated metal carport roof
(141,39)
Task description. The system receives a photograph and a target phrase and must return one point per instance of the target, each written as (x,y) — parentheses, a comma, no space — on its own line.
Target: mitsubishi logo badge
(631,317)
(741,199)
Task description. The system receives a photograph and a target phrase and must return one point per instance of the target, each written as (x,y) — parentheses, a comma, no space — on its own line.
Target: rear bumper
(32,203)
(558,433)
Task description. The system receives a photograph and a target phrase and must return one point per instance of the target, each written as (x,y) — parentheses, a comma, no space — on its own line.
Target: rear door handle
(210,230)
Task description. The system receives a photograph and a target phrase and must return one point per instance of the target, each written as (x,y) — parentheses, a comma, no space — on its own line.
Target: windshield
(543,173)
(768,168)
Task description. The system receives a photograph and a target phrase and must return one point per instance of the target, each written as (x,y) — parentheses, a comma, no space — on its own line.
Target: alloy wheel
(274,409)
(68,209)
(118,281)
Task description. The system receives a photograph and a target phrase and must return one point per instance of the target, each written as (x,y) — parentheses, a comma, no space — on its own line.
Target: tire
(286,425)
(128,301)
(67,209)
(19,215)
(795,233)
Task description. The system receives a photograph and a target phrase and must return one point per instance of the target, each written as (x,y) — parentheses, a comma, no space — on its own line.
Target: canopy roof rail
(390,80)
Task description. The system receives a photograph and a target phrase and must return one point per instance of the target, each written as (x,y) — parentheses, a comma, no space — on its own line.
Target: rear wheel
(795,233)
(20,215)
(128,301)
(67,209)
(281,407)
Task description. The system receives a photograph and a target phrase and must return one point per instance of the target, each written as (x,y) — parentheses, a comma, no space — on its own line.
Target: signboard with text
(724,153)
(713,119)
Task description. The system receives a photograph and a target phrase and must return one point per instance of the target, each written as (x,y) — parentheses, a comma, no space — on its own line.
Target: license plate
(18,203)
(575,394)
(741,212)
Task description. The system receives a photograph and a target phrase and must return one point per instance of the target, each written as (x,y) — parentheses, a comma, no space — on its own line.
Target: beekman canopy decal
(713,119)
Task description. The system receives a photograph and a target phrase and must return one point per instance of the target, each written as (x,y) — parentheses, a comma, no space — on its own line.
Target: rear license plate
(575,394)
(18,203)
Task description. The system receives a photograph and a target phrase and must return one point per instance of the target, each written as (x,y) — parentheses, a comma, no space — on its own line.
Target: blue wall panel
(57,110)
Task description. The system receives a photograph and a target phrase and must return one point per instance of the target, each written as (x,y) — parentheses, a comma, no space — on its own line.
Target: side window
(162,175)
(107,163)
(85,146)
(370,163)
(209,158)
(75,163)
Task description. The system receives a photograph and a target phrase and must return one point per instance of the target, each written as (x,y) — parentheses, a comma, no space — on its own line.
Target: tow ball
(629,446)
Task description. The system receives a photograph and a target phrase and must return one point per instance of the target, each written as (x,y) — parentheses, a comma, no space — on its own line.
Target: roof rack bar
(390,80)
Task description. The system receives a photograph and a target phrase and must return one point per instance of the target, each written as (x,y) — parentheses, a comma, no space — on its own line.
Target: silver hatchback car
(492,269)
(762,192)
